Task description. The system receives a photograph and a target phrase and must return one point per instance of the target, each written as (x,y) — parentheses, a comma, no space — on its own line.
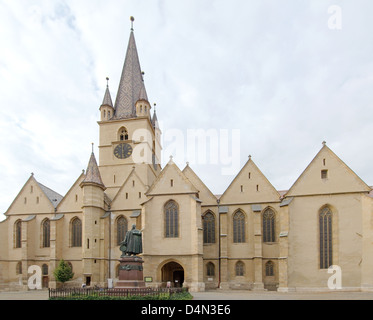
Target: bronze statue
(132,243)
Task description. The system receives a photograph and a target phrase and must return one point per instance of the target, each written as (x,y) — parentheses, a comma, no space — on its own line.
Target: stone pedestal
(130,272)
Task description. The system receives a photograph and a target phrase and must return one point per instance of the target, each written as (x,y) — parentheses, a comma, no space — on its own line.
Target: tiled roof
(53,196)
(107,98)
(155,120)
(131,86)
(92,173)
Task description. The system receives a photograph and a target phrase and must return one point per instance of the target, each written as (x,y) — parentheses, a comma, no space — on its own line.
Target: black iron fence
(155,293)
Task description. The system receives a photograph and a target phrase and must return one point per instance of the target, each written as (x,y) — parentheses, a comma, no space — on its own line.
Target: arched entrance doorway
(173,273)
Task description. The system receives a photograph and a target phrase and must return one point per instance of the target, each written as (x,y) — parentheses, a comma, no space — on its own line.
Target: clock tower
(129,135)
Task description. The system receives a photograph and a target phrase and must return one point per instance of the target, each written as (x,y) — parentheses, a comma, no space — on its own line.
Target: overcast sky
(273,78)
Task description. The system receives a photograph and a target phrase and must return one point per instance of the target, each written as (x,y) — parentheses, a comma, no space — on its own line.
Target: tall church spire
(131,86)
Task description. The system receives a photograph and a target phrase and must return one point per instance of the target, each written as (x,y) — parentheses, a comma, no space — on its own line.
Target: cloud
(271,69)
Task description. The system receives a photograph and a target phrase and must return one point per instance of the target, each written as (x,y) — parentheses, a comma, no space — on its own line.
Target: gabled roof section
(163,185)
(133,201)
(131,86)
(250,186)
(34,197)
(337,177)
(93,173)
(207,197)
(74,203)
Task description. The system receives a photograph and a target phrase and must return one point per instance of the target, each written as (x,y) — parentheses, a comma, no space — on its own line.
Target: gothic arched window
(326,235)
(76,233)
(210,268)
(18,234)
(122,227)
(239,227)
(240,268)
(269,266)
(171,216)
(123,134)
(209,228)
(46,233)
(269,225)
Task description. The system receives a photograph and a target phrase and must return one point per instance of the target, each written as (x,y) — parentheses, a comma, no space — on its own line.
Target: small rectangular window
(324,174)
(241,188)
(126,195)
(257,187)
(139,194)
(172,183)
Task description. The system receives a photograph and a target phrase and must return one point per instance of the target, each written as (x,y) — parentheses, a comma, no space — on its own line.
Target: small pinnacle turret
(92,173)
(107,97)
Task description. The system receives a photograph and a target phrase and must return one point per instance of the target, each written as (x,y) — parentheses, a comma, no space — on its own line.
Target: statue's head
(133,226)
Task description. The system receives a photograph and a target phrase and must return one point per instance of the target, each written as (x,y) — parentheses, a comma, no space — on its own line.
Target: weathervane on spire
(132,20)
(107,82)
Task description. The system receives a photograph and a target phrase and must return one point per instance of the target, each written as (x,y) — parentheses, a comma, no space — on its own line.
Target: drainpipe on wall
(219,254)
(109,242)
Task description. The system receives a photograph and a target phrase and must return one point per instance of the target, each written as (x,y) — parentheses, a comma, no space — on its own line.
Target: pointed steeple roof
(155,120)
(107,97)
(93,173)
(131,86)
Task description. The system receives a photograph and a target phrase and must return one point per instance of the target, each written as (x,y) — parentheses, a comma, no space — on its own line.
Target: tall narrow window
(171,223)
(239,227)
(269,225)
(240,268)
(46,233)
(76,233)
(19,268)
(122,227)
(326,235)
(208,228)
(44,269)
(18,234)
(324,174)
(269,269)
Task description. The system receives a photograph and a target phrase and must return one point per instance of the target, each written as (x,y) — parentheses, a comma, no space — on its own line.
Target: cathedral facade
(251,237)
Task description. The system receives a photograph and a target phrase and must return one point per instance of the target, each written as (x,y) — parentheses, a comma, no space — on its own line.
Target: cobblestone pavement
(273,295)
(24,295)
(222,295)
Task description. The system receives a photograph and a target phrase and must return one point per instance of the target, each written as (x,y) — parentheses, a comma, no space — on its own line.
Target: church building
(251,237)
